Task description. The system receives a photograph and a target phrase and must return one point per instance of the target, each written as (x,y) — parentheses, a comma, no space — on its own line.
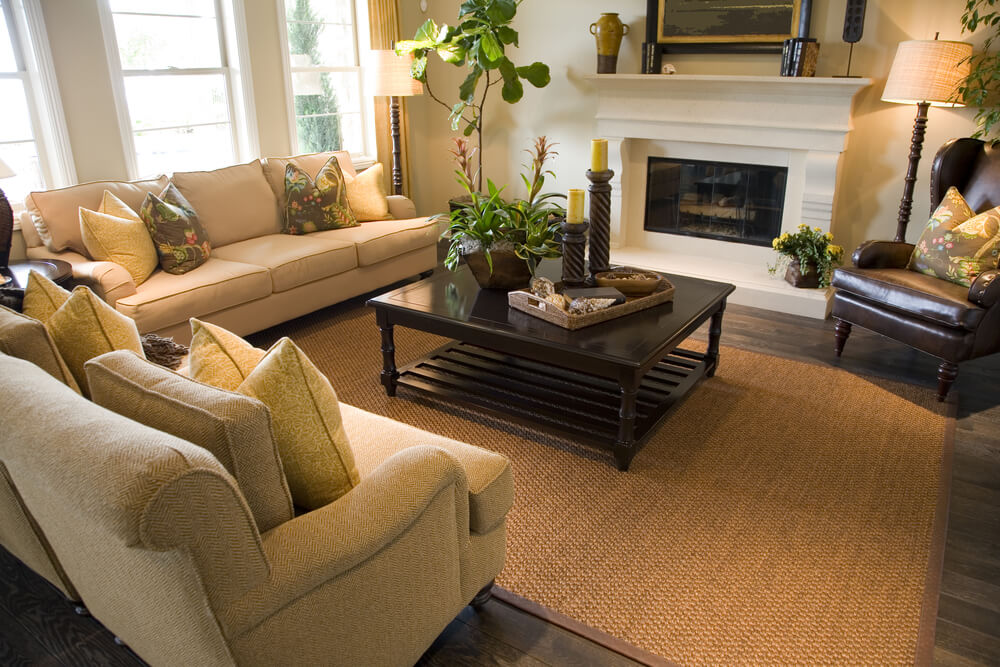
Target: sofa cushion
(311,163)
(26,338)
(234,428)
(180,239)
(166,299)
(116,233)
(313,204)
(366,194)
(85,327)
(294,260)
(233,203)
(375,438)
(42,297)
(308,428)
(912,293)
(219,357)
(381,240)
(55,214)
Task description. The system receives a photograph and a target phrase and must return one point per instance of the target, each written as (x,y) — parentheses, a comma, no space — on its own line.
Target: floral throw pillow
(181,242)
(958,245)
(312,206)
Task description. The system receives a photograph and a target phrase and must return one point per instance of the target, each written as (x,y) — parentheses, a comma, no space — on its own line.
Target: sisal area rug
(786,513)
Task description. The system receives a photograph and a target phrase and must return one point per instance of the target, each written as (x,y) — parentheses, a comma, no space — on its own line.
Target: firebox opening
(726,201)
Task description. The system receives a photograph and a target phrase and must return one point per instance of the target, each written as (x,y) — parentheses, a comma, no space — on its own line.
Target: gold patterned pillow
(180,240)
(313,206)
(115,233)
(308,427)
(219,357)
(366,194)
(42,297)
(957,245)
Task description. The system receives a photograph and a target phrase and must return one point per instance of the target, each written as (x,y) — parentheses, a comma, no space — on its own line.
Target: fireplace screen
(717,200)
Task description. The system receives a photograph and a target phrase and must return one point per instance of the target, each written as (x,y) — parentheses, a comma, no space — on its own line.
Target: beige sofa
(166,545)
(256,277)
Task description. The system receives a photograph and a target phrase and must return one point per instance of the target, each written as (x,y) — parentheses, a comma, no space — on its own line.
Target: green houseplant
(479,43)
(981,88)
(503,241)
(808,256)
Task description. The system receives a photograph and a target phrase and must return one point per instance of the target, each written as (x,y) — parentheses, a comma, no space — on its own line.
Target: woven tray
(529,303)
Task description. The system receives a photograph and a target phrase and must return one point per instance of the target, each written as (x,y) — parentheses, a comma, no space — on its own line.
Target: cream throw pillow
(116,233)
(42,297)
(219,357)
(366,194)
(85,327)
(308,428)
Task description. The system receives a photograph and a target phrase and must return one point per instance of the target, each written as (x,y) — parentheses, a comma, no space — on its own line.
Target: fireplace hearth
(726,201)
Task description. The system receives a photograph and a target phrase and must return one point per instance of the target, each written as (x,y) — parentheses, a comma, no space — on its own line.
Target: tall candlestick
(574,207)
(600,220)
(598,154)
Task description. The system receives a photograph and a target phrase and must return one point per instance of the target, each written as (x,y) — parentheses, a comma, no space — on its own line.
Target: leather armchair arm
(882,255)
(362,526)
(985,290)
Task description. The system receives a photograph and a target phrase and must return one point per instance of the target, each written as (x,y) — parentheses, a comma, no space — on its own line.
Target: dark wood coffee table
(610,384)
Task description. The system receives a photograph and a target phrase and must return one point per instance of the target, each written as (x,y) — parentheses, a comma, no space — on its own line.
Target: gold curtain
(383,19)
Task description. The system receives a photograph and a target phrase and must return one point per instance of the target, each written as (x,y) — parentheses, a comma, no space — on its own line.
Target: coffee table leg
(389,373)
(714,334)
(624,448)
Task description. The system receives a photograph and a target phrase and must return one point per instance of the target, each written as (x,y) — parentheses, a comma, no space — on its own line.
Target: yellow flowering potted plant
(809,256)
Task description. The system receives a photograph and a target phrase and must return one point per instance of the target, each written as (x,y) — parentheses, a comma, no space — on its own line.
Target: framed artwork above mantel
(721,26)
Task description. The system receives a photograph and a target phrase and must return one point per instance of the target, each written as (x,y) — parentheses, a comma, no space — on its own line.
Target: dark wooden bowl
(630,282)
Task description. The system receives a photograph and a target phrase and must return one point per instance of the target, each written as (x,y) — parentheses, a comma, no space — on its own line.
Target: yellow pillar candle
(598,154)
(574,208)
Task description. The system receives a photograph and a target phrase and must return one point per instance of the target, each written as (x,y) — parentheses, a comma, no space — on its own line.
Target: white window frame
(362,43)
(235,67)
(30,43)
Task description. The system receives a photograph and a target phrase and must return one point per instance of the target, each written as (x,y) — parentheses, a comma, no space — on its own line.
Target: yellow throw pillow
(366,194)
(219,357)
(85,327)
(42,297)
(308,428)
(115,233)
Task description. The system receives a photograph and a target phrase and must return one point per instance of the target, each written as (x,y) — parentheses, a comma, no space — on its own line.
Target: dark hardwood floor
(38,627)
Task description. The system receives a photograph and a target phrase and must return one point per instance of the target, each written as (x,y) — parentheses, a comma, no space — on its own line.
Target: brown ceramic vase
(509,270)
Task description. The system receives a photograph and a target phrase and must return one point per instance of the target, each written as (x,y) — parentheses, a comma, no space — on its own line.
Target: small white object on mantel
(667,68)
(801,123)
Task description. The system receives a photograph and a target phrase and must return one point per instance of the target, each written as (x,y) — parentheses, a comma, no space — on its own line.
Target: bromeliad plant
(527,227)
(813,250)
(479,42)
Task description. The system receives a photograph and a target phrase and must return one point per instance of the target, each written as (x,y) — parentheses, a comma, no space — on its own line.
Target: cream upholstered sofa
(170,549)
(256,277)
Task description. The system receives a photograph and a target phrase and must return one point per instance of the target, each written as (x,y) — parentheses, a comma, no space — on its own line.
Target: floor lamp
(390,77)
(925,72)
(6,218)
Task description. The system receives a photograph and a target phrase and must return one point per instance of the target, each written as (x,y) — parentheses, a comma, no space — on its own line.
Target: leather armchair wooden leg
(842,331)
(947,372)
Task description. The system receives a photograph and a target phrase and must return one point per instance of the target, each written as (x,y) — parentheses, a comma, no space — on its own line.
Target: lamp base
(916,145)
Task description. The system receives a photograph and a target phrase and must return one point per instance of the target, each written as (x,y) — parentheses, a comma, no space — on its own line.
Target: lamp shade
(389,75)
(5,170)
(928,70)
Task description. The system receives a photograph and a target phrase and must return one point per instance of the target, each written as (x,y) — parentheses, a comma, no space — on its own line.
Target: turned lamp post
(925,72)
(390,77)
(6,218)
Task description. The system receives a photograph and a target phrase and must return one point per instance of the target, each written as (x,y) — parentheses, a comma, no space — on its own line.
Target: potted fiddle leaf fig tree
(981,87)
(479,43)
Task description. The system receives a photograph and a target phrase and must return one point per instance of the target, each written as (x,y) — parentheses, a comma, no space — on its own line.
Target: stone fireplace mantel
(801,123)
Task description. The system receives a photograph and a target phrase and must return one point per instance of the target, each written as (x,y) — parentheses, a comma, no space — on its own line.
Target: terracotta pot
(609,31)
(793,274)
(509,270)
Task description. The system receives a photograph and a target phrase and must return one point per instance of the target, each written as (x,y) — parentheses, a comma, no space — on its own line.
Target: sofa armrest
(320,546)
(985,289)
(108,280)
(401,208)
(882,255)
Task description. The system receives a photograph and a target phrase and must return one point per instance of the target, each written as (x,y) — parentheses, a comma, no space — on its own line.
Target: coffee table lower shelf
(586,407)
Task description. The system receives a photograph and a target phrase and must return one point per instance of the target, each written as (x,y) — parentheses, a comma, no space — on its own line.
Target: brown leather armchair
(951,322)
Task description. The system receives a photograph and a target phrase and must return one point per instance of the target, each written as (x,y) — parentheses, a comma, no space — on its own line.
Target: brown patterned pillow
(312,206)
(180,240)
(960,253)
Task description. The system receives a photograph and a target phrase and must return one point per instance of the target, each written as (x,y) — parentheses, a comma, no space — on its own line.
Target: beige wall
(557,33)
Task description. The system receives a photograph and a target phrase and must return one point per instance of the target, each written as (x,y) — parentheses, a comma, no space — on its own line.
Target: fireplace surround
(796,124)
